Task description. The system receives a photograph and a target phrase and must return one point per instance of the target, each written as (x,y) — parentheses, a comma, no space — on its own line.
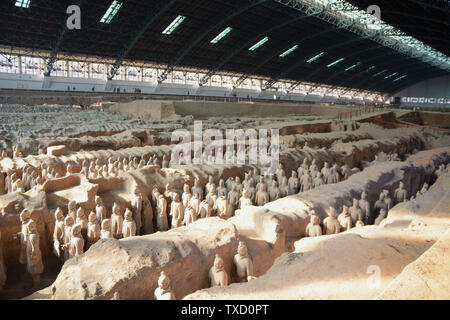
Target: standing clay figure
(380,204)
(189,215)
(93,230)
(72,210)
(161,217)
(229,184)
(58,234)
(136,208)
(165,162)
(217,273)
(222,189)
(233,199)
(345,219)
(209,184)
(195,204)
(176,212)
(325,170)
(147,216)
(2,265)
(197,189)
(274,191)
(129,225)
(284,188)
(68,224)
(306,182)
(163,291)
(205,210)
(305,164)
(318,181)
(34,257)
(260,184)
(245,200)
(400,194)
(355,212)
(293,183)
(25,219)
(106,230)
(76,246)
(223,207)
(387,200)
(381,216)
(243,263)
(313,229)
(331,224)
(364,204)
(116,221)
(251,190)
(187,195)
(211,198)
(82,221)
(100,210)
(239,186)
(262,196)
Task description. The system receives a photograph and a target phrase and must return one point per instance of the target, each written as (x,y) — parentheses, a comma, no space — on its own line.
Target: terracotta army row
(218,276)
(359,215)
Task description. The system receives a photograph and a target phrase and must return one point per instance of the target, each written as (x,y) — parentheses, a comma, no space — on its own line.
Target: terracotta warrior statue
(217,273)
(116,221)
(100,210)
(400,194)
(72,210)
(356,212)
(176,212)
(106,230)
(209,184)
(25,219)
(35,266)
(331,224)
(129,225)
(245,200)
(93,230)
(233,199)
(136,209)
(222,189)
(243,263)
(187,195)
(345,219)
(293,183)
(381,216)
(262,196)
(313,229)
(318,181)
(223,207)
(68,224)
(284,188)
(197,189)
(364,204)
(161,218)
(58,234)
(76,245)
(163,291)
(205,210)
(380,204)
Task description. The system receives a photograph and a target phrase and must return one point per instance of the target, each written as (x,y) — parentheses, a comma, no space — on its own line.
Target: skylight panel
(353,66)
(315,57)
(402,77)
(259,44)
(391,75)
(174,24)
(222,35)
(378,73)
(289,51)
(111,12)
(23,3)
(336,62)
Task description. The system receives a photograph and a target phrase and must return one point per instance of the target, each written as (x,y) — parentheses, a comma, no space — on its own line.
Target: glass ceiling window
(111,12)
(259,44)
(289,51)
(221,35)
(400,78)
(174,24)
(315,57)
(384,33)
(336,62)
(23,3)
(353,66)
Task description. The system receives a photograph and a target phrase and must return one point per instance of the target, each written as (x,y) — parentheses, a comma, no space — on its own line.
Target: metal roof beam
(151,16)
